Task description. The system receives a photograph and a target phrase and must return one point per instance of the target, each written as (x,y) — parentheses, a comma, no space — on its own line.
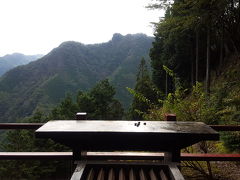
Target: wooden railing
(33,126)
(225,127)
(113,155)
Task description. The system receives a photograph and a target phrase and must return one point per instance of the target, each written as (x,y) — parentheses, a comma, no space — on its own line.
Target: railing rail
(225,127)
(35,155)
(20,125)
(114,155)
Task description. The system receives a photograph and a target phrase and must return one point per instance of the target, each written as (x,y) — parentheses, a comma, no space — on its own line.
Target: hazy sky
(37,26)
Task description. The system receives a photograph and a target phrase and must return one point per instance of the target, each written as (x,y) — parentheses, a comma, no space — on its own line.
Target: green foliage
(25,141)
(168,71)
(144,94)
(140,97)
(66,109)
(231,141)
(193,107)
(172,48)
(192,36)
(178,38)
(186,24)
(196,106)
(227,98)
(102,96)
(222,106)
(98,102)
(102,102)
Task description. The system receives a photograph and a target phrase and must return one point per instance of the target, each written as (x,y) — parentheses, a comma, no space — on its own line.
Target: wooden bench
(159,136)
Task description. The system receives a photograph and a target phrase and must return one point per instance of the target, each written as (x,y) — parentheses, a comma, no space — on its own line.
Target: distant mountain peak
(14,54)
(70,43)
(10,61)
(117,37)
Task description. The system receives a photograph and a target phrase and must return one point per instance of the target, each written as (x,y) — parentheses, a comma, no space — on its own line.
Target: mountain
(70,67)
(12,60)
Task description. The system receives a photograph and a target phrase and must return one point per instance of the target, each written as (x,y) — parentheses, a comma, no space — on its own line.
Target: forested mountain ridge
(68,68)
(10,61)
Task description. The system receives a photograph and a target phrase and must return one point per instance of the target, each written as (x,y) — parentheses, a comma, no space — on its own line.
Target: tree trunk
(192,73)
(208,62)
(166,85)
(197,54)
(221,51)
(192,64)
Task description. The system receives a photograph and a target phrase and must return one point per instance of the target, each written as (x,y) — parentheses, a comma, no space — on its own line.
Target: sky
(37,26)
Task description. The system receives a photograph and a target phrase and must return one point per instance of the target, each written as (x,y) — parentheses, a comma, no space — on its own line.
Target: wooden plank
(35,155)
(142,175)
(90,174)
(81,116)
(225,127)
(170,117)
(209,157)
(121,174)
(38,125)
(132,175)
(100,174)
(21,125)
(163,175)
(175,173)
(78,171)
(152,175)
(160,156)
(111,174)
(125,155)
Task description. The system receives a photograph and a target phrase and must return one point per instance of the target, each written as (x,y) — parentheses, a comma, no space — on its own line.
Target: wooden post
(174,155)
(170,117)
(81,116)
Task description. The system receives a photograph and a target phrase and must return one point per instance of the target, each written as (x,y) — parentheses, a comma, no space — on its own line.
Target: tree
(194,27)
(100,103)
(172,48)
(65,110)
(143,88)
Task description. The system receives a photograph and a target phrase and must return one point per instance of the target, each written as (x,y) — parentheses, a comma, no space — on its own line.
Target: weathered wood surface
(35,126)
(126,135)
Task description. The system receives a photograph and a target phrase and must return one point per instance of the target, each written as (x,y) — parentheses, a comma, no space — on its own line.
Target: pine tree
(143,88)
(100,103)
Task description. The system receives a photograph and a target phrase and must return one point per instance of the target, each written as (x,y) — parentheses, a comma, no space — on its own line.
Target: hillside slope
(68,68)
(226,88)
(12,60)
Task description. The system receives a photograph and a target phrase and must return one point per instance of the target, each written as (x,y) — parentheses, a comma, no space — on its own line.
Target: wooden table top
(126,135)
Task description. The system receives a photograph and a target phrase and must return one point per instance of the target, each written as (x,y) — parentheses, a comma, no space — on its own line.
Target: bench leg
(78,171)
